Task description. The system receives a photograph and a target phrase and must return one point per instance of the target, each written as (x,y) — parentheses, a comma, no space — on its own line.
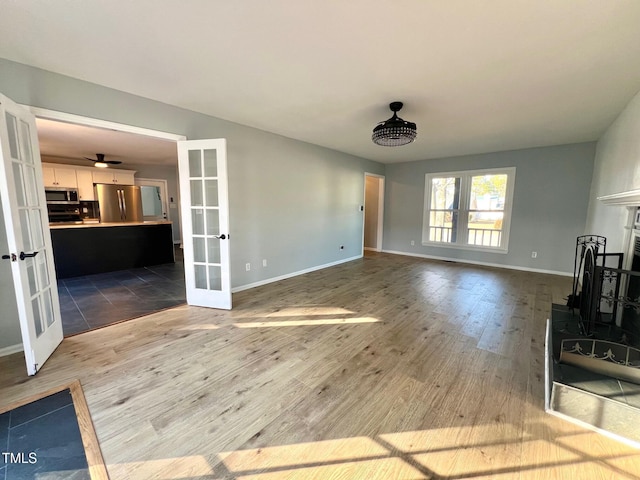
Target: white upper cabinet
(85,185)
(83,178)
(59,177)
(122,177)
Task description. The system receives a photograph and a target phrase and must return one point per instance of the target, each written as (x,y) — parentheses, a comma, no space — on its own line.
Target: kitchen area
(100,227)
(114,244)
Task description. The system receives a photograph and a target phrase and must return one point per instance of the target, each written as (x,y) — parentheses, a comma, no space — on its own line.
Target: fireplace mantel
(627,199)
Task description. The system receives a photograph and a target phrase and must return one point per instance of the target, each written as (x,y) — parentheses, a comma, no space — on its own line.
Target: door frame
(95,122)
(380,230)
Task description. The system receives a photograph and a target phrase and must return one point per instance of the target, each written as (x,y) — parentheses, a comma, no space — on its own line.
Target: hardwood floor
(389,367)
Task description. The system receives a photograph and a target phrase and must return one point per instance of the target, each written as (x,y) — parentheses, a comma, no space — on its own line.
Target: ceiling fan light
(395,131)
(100,165)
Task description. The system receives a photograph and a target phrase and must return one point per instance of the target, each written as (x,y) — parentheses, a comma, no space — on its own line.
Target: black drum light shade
(395,131)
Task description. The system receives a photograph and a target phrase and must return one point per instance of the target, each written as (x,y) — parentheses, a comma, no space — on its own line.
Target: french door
(202,168)
(29,256)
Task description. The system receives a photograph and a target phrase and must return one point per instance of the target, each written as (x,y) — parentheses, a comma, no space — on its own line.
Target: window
(470,209)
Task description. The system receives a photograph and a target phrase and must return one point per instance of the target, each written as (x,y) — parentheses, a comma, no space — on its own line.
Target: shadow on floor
(94,301)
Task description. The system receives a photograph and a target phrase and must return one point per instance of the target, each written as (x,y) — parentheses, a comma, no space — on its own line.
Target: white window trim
(464,200)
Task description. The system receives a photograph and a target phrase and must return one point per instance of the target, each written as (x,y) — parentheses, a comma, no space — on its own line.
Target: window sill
(470,248)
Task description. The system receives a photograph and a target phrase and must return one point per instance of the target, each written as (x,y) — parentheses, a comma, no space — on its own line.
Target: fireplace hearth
(593,343)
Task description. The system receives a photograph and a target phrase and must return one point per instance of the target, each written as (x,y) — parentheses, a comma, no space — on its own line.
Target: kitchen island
(88,248)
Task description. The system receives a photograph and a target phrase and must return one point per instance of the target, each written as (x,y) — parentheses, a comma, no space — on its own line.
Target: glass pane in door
(213,221)
(37,319)
(210,163)
(213,250)
(201,276)
(13,135)
(211,190)
(199,254)
(215,278)
(19,185)
(151,201)
(197,197)
(195,164)
(25,143)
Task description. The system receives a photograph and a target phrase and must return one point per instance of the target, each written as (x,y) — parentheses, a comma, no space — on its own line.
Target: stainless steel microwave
(61,196)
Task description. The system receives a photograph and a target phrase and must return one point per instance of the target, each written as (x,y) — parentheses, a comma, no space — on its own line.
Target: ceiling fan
(100,162)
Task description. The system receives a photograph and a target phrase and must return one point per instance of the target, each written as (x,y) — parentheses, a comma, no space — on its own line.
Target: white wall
(616,169)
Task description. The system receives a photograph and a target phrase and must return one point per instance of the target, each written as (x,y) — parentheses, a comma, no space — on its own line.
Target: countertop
(58,226)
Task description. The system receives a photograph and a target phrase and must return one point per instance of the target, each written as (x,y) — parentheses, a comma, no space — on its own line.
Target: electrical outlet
(534,254)
(413,243)
(248,266)
(264,262)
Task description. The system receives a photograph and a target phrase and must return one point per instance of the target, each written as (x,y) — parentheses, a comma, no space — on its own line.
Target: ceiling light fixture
(395,131)
(100,162)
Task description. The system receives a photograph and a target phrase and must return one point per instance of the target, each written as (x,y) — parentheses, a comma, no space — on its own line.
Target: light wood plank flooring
(389,367)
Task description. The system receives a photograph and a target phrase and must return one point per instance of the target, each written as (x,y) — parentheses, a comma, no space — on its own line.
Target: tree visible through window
(470,208)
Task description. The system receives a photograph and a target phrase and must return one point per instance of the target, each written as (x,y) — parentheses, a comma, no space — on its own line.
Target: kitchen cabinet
(90,249)
(123,177)
(85,185)
(59,177)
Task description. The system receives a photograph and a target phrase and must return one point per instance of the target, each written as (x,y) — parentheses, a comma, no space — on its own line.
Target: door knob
(25,255)
(221,237)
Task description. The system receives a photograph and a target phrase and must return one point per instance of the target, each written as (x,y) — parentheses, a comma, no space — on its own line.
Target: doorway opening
(373,212)
(93,301)
(155,203)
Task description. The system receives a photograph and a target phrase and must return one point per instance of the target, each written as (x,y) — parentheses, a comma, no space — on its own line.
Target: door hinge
(35,365)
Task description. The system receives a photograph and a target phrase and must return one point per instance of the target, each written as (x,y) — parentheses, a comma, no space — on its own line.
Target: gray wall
(9,324)
(291,203)
(616,170)
(549,205)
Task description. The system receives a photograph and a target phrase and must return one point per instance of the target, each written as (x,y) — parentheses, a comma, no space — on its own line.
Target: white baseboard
(293,274)
(10,349)
(485,264)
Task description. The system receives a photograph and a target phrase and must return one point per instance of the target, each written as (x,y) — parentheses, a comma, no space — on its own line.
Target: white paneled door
(202,167)
(29,256)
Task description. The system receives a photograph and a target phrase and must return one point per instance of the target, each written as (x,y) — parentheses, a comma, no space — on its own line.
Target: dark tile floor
(94,301)
(45,441)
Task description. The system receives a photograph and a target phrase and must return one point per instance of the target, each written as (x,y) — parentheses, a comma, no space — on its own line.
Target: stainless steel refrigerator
(119,203)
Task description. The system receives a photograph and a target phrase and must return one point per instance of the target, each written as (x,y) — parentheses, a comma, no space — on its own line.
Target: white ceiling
(65,142)
(476,76)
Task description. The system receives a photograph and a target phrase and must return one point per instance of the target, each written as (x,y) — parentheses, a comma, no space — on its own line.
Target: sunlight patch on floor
(349,458)
(304,323)
(165,468)
(200,327)
(446,438)
(339,450)
(382,469)
(463,452)
(309,310)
